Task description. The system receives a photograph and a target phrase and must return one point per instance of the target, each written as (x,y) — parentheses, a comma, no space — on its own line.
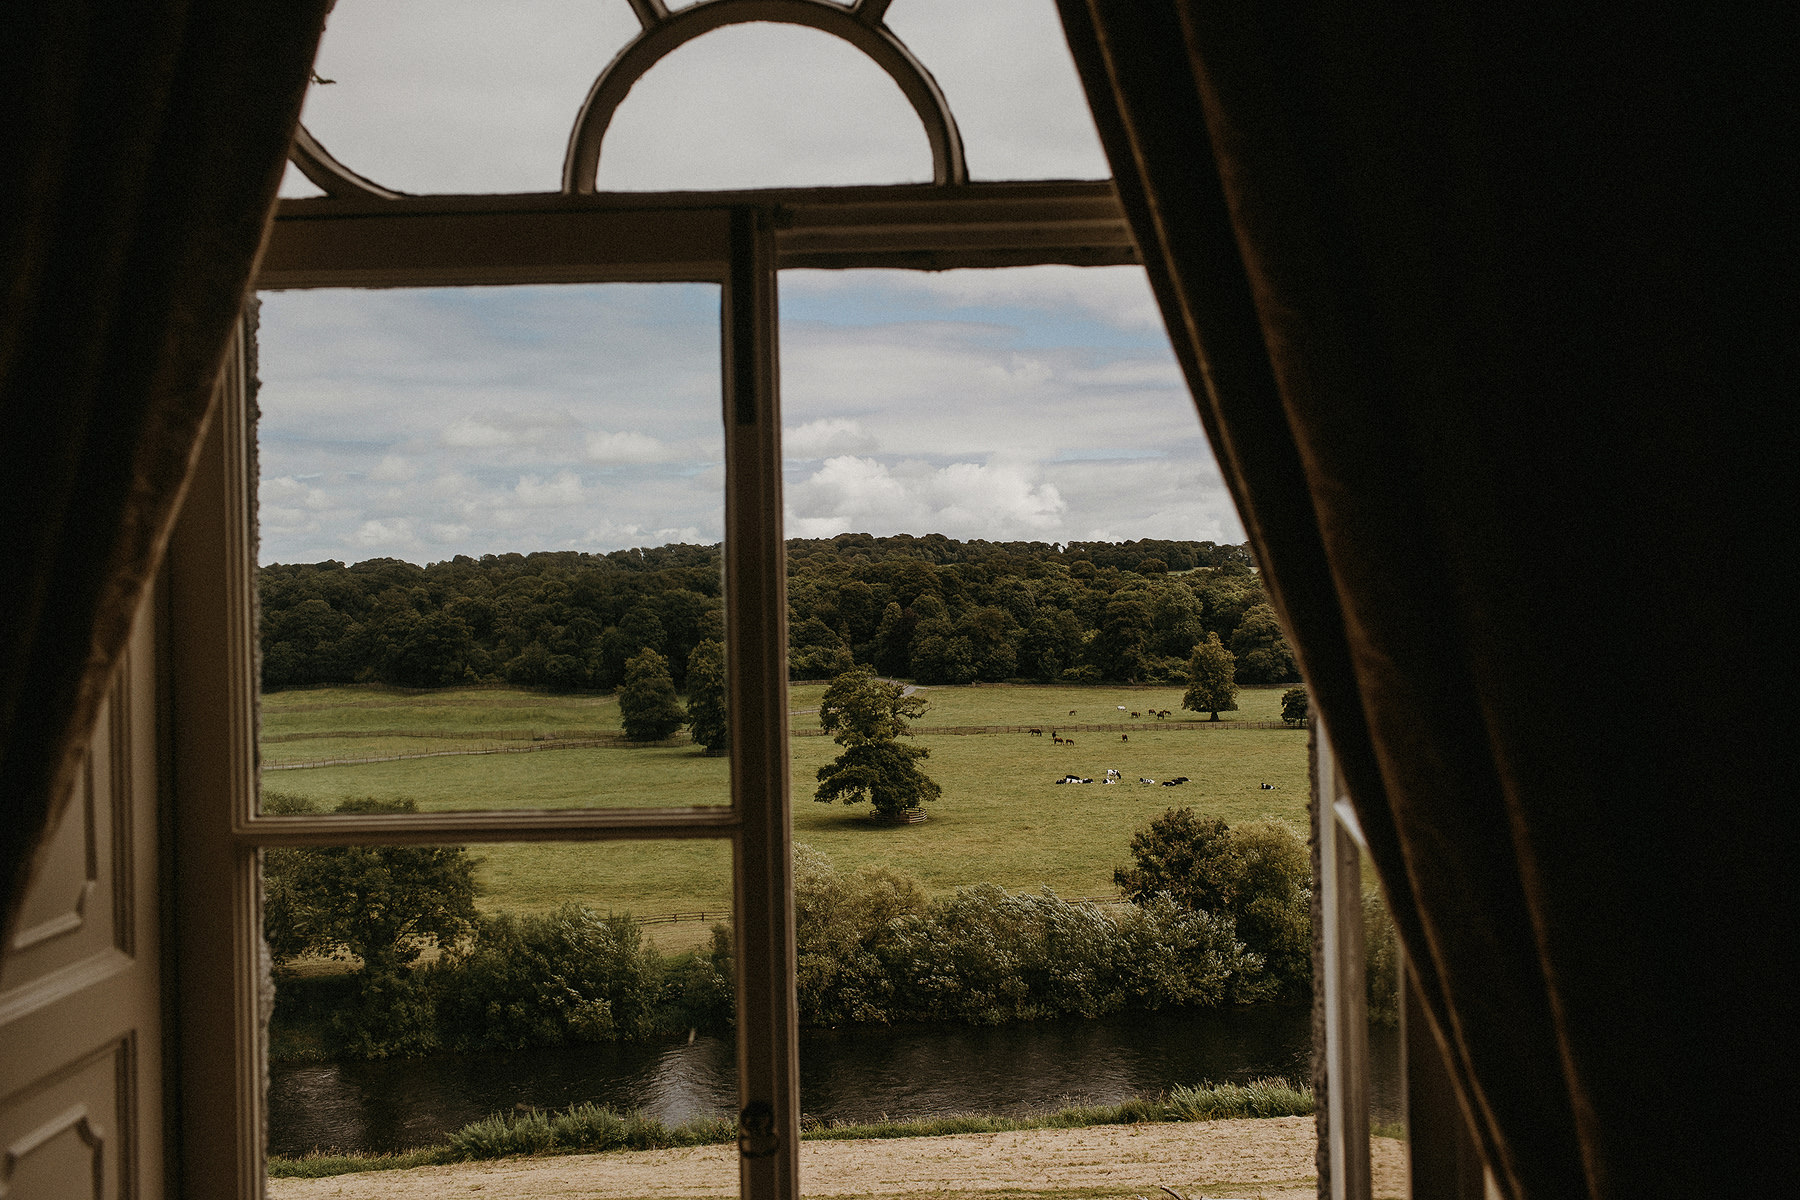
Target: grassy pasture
(1049,705)
(1002,817)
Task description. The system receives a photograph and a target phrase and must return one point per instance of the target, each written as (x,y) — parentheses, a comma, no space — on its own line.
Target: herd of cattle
(1113,776)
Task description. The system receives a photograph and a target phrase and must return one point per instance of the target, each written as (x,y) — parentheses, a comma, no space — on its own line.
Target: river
(856,1074)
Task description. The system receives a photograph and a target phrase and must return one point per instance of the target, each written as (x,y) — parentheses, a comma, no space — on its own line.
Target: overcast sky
(1035,403)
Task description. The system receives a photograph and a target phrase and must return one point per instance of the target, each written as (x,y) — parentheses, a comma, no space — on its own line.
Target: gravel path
(1271,1159)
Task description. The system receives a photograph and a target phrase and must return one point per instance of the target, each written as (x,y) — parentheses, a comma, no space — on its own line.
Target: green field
(1001,819)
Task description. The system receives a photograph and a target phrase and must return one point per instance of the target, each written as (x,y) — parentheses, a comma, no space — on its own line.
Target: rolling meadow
(1002,818)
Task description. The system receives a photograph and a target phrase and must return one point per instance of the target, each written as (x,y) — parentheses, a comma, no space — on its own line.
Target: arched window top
(440,102)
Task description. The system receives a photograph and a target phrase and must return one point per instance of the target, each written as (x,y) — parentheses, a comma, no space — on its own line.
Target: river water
(858,1074)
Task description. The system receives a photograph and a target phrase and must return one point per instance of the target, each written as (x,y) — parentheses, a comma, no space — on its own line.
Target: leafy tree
(1259,875)
(381,904)
(1125,630)
(648,706)
(1211,687)
(893,641)
(1192,858)
(813,649)
(939,657)
(707,715)
(1262,652)
(1294,705)
(867,716)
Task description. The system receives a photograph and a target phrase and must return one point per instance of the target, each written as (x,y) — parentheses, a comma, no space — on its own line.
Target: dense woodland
(926,608)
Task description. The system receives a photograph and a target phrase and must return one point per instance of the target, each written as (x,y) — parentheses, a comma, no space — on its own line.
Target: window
(366,235)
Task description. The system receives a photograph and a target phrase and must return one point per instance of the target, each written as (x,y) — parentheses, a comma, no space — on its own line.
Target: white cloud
(394,469)
(560,489)
(1118,297)
(516,429)
(963,500)
(450,535)
(826,437)
(626,447)
(386,534)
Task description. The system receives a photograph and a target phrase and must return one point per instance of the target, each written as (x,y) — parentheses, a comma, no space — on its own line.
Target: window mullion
(756,635)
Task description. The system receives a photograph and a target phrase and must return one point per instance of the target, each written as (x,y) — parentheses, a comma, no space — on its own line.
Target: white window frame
(736,240)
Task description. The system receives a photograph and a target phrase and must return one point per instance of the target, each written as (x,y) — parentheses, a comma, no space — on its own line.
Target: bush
(568,976)
(392,1014)
(1381,962)
(698,987)
(1258,877)
(871,949)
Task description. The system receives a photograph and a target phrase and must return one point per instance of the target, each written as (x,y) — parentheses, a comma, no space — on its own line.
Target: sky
(1037,403)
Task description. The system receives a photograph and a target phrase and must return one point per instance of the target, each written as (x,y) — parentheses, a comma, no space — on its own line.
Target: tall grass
(1258,1098)
(593,1128)
(582,1129)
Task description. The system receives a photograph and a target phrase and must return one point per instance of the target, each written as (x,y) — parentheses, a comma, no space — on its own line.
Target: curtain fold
(144,145)
(1475,306)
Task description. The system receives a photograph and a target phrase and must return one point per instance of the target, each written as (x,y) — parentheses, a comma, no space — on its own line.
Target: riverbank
(1271,1158)
(592,1128)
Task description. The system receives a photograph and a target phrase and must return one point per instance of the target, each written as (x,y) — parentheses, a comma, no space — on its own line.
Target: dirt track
(1271,1159)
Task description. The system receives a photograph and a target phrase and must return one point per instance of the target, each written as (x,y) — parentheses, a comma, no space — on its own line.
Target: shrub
(1258,876)
(1294,705)
(870,948)
(568,976)
(698,989)
(1381,963)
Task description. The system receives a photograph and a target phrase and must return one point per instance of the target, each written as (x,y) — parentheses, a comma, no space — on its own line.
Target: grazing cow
(1141,779)
(1111,774)
(1109,781)
(1071,712)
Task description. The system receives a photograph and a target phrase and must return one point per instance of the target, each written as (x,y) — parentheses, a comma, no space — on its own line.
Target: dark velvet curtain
(143,145)
(1488,311)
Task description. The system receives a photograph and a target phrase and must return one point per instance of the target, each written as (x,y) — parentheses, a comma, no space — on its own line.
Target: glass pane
(432,96)
(490,566)
(1004,66)
(999,499)
(581,993)
(764,106)
(459,95)
(1387,1083)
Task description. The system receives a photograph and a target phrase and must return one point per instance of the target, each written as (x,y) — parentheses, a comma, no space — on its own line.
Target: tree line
(1217,915)
(929,608)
